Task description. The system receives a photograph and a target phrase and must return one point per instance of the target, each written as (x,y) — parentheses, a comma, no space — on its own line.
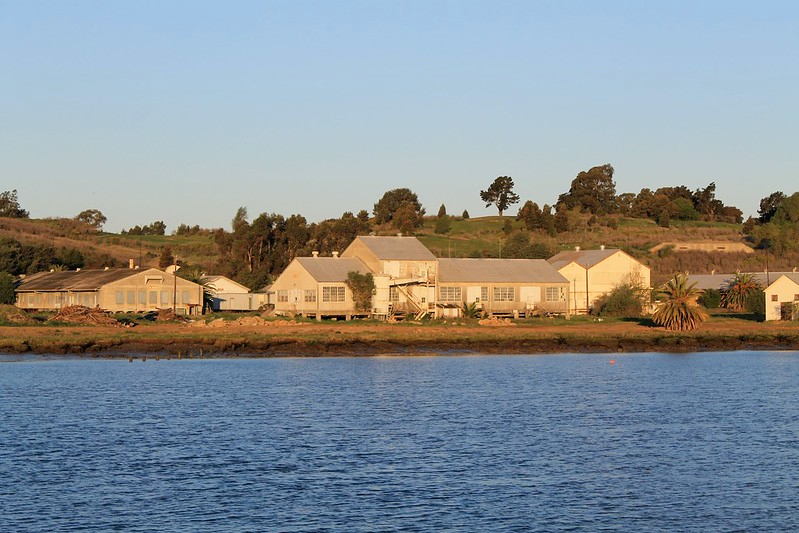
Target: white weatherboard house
(593,273)
(316,287)
(782,298)
(508,287)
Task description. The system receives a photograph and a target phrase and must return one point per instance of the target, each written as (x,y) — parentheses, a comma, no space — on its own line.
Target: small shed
(229,295)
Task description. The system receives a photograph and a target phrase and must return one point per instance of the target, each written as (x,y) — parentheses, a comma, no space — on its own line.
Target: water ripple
(541,443)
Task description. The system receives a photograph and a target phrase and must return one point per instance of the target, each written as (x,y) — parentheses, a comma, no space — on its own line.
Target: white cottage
(782,298)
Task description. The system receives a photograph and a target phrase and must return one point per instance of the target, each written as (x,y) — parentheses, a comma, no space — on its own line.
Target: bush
(756,304)
(624,300)
(7,288)
(443,225)
(711,299)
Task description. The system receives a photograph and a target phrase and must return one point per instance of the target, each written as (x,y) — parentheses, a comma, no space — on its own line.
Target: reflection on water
(563,442)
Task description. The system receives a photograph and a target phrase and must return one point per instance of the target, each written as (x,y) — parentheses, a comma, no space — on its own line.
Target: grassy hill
(474,237)
(144,250)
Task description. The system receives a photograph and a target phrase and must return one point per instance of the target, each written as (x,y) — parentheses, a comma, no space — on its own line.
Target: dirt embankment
(286,338)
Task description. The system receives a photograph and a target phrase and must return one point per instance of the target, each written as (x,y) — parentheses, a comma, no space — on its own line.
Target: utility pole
(587,266)
(174,283)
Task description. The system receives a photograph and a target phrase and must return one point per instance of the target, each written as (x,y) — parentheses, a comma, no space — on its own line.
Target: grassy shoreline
(357,338)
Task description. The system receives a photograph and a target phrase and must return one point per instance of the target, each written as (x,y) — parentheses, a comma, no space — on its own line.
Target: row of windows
(329,295)
(500,294)
(150,297)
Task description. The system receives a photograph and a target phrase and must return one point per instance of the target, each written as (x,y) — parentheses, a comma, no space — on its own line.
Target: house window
(393,294)
(120,297)
(332,294)
(483,294)
(186,297)
(504,294)
(142,297)
(282,296)
(775,298)
(310,295)
(449,294)
(153,297)
(165,297)
(554,294)
(131,298)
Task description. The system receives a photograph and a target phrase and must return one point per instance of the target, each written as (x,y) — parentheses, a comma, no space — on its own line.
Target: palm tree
(678,310)
(738,289)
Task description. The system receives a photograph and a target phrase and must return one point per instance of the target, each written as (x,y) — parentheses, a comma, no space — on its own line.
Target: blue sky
(185,111)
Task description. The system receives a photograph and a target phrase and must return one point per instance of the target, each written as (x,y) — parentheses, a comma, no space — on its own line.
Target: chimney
(335,255)
(576,248)
(130,263)
(315,253)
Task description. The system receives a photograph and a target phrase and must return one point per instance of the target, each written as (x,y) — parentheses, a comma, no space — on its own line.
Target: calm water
(697,442)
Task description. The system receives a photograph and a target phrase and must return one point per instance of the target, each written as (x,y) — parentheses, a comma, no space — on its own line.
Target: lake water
(654,442)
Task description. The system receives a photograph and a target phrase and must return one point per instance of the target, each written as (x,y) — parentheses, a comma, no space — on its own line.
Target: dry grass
(365,338)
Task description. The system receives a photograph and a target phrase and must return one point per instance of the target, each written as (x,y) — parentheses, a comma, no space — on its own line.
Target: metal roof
(719,281)
(397,248)
(498,271)
(584,258)
(332,269)
(74,280)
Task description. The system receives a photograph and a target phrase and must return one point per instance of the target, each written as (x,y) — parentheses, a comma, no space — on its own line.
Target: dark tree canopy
(7,288)
(9,205)
(593,191)
(442,211)
(391,202)
(500,193)
(769,206)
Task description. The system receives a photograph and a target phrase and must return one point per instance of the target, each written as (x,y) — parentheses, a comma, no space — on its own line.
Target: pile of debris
(496,322)
(92,316)
(167,315)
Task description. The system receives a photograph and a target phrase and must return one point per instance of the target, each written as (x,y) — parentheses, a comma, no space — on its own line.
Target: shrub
(7,288)
(624,300)
(756,304)
(443,225)
(711,299)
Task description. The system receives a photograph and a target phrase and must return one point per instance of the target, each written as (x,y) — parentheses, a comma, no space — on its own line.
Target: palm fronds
(738,289)
(679,310)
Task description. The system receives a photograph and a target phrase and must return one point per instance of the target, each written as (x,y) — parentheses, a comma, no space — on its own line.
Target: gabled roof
(332,269)
(584,258)
(497,271)
(793,276)
(397,248)
(211,281)
(74,280)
